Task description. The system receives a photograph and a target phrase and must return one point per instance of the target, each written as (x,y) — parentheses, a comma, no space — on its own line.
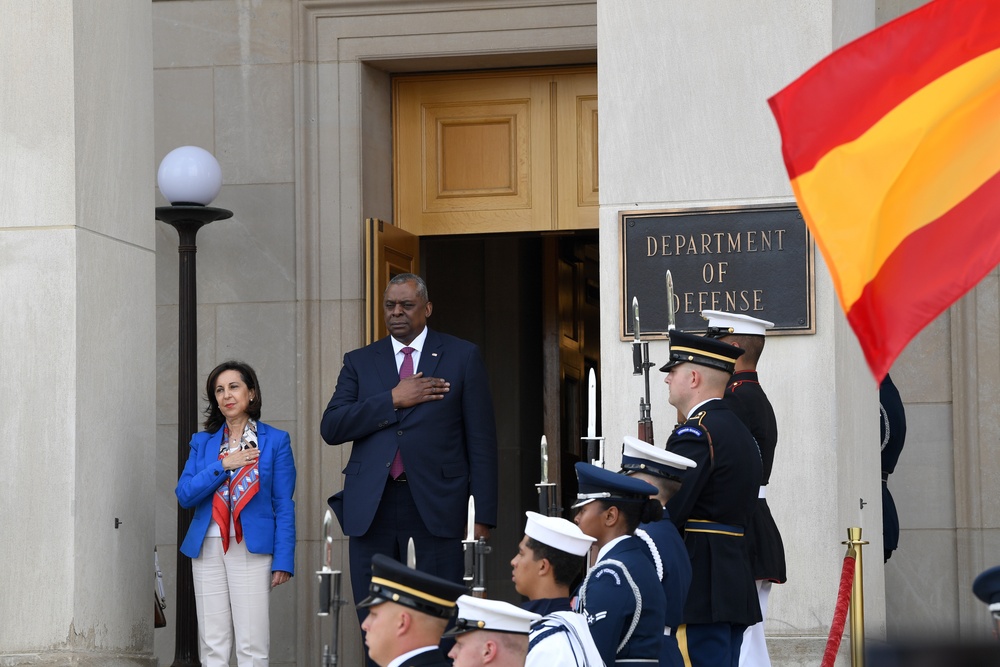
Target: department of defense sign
(752,260)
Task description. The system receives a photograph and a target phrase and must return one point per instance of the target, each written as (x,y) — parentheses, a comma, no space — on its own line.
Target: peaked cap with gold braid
(688,348)
(394,582)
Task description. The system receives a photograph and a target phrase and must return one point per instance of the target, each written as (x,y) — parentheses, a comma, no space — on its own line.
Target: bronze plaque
(757,261)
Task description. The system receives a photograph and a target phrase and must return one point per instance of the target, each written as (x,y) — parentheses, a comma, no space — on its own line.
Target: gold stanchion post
(857,609)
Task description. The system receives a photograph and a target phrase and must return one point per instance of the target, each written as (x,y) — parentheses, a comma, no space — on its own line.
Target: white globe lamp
(189,175)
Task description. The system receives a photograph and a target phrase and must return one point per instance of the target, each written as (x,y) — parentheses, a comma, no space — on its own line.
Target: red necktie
(405,371)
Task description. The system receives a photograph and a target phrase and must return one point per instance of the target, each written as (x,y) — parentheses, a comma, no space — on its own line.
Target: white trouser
(232,591)
(753,653)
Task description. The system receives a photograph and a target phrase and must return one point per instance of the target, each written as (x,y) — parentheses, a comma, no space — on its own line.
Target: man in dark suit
(418,409)
(715,503)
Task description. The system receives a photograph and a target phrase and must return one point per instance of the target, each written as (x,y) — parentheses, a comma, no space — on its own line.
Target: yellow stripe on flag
(864,197)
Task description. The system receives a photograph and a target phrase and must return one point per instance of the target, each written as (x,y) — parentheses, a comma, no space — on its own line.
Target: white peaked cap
(736,323)
(639,456)
(558,533)
(493,616)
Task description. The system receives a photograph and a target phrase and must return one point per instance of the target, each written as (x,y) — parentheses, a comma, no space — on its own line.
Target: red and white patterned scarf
(234,494)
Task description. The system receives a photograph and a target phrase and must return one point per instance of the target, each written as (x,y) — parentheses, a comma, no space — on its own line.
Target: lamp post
(190,178)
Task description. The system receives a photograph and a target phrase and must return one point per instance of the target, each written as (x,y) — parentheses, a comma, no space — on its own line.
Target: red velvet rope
(839,612)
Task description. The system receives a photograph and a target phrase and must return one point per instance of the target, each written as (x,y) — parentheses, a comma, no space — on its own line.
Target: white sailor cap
(558,533)
(491,615)
(723,324)
(639,456)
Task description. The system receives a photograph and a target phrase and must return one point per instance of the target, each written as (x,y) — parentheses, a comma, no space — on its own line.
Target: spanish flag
(892,145)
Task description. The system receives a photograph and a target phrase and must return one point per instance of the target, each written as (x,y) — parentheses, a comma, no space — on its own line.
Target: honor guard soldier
(986,587)
(621,596)
(892,427)
(490,632)
(715,503)
(548,563)
(664,470)
(408,612)
(745,396)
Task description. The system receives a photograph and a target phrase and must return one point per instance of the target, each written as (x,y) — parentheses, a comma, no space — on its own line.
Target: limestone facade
(293,98)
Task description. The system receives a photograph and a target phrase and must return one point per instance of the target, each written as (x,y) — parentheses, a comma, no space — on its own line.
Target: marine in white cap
(548,563)
(665,470)
(490,632)
(745,396)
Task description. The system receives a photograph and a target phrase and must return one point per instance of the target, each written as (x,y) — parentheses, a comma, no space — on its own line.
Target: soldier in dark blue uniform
(408,612)
(621,595)
(715,503)
(986,587)
(665,471)
(745,396)
(892,424)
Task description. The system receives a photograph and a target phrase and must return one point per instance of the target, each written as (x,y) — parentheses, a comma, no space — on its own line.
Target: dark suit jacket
(449,446)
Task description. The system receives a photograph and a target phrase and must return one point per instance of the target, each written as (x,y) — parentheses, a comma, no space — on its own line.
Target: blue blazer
(268,519)
(449,446)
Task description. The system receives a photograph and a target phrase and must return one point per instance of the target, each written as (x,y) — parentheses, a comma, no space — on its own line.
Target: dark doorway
(532,304)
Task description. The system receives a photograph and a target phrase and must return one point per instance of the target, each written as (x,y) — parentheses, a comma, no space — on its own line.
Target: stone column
(684,123)
(975,324)
(77,332)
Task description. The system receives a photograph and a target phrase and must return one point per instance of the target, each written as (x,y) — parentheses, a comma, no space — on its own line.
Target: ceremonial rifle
(671,319)
(476,551)
(641,366)
(547,502)
(593,443)
(329,592)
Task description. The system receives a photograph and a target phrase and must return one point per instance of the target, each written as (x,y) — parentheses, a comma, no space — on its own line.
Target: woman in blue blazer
(239,478)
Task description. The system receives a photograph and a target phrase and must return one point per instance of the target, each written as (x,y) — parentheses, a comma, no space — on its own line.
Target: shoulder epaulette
(692,425)
(732,388)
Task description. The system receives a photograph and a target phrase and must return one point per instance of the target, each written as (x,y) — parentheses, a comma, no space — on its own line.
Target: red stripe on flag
(847,92)
(931,269)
